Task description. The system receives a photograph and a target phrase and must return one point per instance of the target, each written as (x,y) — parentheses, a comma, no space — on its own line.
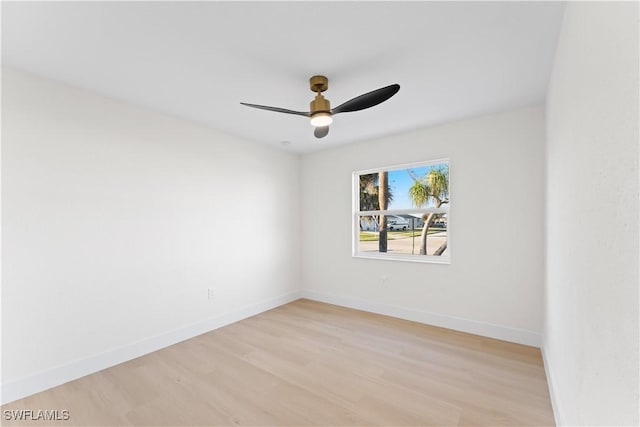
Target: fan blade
(321,131)
(277,110)
(367,100)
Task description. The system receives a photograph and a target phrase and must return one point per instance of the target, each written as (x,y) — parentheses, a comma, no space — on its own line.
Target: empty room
(320,213)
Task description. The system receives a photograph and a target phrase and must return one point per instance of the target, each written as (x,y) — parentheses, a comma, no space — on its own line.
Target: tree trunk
(441,249)
(383,187)
(428,220)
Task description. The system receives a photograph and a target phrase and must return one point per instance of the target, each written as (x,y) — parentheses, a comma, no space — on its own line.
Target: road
(405,245)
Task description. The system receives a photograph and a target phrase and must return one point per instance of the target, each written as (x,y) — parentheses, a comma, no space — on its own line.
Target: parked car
(440,224)
(398,224)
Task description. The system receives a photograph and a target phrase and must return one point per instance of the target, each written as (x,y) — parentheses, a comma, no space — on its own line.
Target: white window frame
(433,259)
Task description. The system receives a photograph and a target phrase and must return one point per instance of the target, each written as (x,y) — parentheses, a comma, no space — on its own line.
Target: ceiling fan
(321,112)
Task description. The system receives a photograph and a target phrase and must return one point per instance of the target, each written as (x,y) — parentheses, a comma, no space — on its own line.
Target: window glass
(403,212)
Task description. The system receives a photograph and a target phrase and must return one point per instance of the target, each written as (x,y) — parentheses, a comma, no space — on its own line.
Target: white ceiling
(199,60)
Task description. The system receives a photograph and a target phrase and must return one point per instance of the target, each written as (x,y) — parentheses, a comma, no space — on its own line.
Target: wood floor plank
(309,363)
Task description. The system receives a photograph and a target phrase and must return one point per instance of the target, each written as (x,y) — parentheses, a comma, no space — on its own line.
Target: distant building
(416,222)
(368,223)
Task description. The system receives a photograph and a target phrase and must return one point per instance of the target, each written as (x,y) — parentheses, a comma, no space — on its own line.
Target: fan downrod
(318,84)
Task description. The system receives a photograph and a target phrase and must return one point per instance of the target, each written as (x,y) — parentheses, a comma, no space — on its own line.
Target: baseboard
(41,381)
(519,336)
(553,394)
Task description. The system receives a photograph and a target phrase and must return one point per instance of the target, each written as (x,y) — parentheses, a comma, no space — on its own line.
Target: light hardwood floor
(309,363)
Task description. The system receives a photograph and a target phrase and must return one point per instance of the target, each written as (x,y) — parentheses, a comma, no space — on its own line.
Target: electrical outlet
(210,293)
(383,280)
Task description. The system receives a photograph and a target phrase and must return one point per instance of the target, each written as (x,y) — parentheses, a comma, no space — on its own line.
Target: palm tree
(370,194)
(433,187)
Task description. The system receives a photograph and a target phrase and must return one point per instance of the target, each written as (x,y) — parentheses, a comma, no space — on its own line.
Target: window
(402,212)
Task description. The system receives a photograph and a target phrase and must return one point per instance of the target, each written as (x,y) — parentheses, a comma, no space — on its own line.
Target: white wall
(115,223)
(591,329)
(493,285)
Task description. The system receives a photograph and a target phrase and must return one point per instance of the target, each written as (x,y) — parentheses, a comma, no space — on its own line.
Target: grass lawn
(370,236)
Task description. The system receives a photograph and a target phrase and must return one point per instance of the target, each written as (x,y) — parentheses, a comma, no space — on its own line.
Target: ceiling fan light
(321,119)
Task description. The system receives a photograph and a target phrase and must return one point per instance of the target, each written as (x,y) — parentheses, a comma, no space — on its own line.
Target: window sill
(424,259)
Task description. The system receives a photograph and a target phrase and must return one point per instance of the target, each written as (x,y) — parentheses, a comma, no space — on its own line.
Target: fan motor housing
(319,104)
